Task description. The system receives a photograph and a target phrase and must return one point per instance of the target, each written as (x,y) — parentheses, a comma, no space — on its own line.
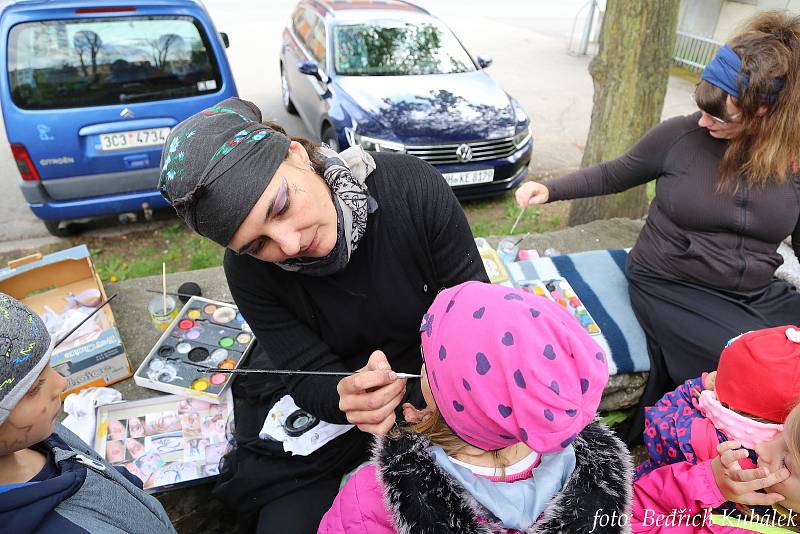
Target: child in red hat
(719,496)
(713,441)
(747,399)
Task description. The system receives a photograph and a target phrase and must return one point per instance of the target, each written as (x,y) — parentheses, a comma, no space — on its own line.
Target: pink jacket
(364,492)
(687,489)
(405,491)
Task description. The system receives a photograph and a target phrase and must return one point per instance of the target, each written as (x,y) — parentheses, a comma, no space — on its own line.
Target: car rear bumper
(93,195)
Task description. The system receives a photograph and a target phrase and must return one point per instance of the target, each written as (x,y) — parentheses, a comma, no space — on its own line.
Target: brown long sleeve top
(693,232)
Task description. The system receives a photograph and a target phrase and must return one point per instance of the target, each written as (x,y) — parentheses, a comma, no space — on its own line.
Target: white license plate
(133,139)
(456,179)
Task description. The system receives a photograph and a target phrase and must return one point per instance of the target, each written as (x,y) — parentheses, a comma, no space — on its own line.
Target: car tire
(329,137)
(285,96)
(55,228)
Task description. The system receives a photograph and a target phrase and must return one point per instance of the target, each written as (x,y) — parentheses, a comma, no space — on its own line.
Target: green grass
(496,217)
(138,255)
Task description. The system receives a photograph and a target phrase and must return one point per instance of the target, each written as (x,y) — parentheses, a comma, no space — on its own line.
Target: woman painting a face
(332,259)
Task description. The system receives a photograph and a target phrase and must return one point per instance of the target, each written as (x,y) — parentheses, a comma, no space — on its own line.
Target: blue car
(91,91)
(389,76)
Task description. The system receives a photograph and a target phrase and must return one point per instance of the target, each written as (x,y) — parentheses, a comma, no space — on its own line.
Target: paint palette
(206,333)
(560,291)
(166,441)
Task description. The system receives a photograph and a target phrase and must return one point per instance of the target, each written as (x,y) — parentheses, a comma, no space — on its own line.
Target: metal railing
(694,52)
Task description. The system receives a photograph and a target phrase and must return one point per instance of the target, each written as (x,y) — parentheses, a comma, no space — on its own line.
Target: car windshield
(397,49)
(96,62)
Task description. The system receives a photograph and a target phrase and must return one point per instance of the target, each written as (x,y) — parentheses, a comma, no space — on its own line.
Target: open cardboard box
(96,358)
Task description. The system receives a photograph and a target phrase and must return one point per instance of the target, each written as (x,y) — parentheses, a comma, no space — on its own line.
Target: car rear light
(107,9)
(24,163)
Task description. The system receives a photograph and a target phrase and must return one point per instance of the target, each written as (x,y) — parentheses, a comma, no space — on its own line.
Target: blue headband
(723,72)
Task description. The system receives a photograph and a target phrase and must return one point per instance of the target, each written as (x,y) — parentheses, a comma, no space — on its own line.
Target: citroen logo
(127,114)
(464,153)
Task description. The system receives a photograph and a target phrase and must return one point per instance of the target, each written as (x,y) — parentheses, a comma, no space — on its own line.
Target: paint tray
(205,334)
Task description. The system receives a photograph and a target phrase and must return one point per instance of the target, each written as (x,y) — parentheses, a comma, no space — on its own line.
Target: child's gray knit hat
(25,347)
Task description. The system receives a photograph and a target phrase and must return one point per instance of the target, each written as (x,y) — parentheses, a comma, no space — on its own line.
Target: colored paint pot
(218,378)
(198,354)
(194,313)
(165,351)
(243,338)
(193,334)
(225,342)
(183,348)
(210,309)
(227,364)
(218,355)
(185,324)
(201,384)
(223,315)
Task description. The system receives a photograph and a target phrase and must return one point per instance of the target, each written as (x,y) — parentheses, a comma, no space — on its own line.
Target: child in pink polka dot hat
(507,441)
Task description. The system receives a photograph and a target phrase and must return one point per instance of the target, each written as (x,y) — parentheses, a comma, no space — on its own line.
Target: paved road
(527,38)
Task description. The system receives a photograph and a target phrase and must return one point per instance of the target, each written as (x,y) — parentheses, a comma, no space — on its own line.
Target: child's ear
(412,415)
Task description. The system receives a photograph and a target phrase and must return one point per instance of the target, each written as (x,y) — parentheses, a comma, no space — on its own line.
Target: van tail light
(24,163)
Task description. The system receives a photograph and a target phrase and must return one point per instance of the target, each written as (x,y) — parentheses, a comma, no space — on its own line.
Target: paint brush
(514,226)
(97,309)
(290,372)
(518,241)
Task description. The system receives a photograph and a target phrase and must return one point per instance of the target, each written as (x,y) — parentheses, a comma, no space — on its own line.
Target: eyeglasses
(716,119)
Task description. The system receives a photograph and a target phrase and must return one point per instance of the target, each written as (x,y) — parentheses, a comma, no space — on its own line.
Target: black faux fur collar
(423,499)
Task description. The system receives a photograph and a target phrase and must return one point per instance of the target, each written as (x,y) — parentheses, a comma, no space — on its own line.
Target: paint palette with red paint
(205,334)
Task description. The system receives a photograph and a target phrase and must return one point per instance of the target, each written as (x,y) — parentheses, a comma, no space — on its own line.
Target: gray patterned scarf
(345,173)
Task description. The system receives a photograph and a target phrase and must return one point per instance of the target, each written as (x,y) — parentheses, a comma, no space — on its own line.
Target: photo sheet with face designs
(167,441)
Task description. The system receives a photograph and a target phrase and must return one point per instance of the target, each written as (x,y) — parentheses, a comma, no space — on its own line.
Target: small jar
(162,317)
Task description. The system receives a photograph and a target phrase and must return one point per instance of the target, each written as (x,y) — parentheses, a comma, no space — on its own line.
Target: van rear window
(78,63)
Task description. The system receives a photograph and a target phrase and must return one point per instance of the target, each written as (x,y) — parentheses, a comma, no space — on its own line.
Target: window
(395,48)
(96,62)
(316,42)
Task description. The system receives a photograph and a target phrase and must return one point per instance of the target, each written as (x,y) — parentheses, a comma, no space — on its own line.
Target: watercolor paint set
(205,334)
(560,291)
(167,441)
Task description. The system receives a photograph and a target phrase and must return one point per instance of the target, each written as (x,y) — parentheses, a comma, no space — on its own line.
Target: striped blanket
(598,277)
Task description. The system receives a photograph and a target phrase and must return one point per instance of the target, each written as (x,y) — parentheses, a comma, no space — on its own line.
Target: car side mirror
(225,39)
(484,61)
(309,68)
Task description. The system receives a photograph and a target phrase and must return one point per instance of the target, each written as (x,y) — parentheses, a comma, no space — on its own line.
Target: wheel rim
(333,143)
(284,89)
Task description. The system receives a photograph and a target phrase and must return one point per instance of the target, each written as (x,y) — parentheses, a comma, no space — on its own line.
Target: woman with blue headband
(727,194)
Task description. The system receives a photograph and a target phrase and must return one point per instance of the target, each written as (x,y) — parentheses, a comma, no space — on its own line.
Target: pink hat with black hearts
(506,366)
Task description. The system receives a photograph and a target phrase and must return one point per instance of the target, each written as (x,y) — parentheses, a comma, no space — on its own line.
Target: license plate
(456,179)
(133,139)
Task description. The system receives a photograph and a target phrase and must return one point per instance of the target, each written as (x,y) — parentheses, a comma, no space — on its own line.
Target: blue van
(91,91)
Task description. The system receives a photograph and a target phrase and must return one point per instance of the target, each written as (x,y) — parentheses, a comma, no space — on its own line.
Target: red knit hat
(759,373)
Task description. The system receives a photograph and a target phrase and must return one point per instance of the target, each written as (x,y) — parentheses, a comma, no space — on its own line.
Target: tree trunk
(630,75)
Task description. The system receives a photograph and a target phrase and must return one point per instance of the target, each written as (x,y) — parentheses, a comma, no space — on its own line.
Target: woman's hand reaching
(531,193)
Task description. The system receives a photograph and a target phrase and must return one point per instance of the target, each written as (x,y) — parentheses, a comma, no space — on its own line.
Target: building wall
(719,19)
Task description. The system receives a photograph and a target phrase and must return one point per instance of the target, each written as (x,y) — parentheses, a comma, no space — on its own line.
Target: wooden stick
(164,285)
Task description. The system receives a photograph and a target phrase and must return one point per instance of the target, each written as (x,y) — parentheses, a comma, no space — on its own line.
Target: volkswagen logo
(464,153)
(127,114)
